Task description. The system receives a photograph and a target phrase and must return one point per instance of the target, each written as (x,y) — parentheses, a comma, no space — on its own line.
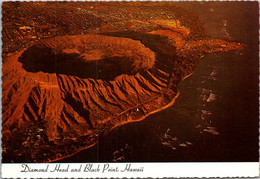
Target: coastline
(238,82)
(126,122)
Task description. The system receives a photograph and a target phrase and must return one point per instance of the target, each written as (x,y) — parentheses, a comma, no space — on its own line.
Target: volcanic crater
(88,56)
(62,93)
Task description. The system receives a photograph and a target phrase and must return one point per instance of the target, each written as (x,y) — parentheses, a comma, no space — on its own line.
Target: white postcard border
(130,170)
(154,170)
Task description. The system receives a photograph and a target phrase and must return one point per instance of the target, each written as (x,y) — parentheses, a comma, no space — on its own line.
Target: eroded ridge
(61,94)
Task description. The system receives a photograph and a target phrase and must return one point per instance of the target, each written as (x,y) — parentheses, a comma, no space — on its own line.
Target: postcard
(130,89)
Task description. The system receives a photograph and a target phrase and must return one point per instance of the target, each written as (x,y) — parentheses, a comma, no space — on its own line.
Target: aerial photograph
(135,81)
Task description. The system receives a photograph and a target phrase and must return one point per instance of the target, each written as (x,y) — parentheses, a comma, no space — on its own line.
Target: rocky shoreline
(57,113)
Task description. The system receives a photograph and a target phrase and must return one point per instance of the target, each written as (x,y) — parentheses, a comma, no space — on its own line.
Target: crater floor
(61,94)
(88,56)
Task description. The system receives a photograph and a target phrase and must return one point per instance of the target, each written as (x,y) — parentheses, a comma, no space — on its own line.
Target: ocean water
(216,115)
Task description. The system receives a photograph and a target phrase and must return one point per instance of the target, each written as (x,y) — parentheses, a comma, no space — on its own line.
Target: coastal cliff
(101,66)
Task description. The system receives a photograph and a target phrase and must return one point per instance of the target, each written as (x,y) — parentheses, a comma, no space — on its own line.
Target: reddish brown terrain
(99,66)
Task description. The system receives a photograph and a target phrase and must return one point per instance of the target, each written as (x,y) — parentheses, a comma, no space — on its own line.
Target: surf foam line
(124,123)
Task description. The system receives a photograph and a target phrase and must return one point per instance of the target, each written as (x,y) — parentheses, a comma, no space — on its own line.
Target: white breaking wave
(173,142)
(224,30)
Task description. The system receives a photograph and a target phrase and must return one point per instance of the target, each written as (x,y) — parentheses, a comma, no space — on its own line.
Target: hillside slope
(61,94)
